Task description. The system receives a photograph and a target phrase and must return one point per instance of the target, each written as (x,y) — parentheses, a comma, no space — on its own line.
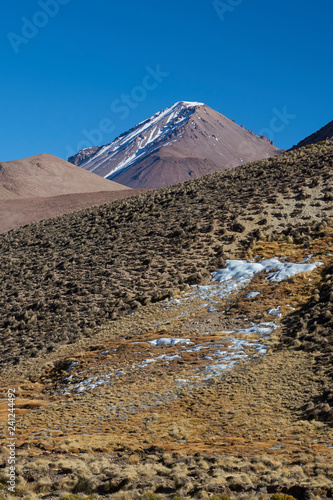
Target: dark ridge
(324,134)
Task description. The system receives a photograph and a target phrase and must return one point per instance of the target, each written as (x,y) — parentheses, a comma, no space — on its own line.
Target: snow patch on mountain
(143,139)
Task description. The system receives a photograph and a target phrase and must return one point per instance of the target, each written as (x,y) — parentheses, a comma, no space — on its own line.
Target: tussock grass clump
(311,330)
(149,496)
(221,497)
(115,477)
(281,496)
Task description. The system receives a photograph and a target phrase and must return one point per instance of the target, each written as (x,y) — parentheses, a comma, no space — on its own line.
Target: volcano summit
(182,142)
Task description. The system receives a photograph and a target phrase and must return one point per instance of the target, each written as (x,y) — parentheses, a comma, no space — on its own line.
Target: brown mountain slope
(46,175)
(323,134)
(182,142)
(6,194)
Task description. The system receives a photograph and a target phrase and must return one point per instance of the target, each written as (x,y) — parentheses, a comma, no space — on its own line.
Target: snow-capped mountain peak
(190,134)
(141,140)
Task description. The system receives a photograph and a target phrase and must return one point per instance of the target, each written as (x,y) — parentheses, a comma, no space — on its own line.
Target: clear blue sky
(65,75)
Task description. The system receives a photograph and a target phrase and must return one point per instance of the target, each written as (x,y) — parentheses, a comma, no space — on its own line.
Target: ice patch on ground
(251,295)
(72,365)
(89,383)
(261,328)
(239,273)
(275,312)
(307,258)
(163,357)
(168,341)
(219,356)
(236,350)
(224,353)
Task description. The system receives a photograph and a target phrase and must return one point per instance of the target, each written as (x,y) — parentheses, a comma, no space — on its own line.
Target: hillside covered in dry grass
(112,358)
(63,276)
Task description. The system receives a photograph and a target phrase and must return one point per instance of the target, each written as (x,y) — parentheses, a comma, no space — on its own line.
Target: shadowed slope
(323,134)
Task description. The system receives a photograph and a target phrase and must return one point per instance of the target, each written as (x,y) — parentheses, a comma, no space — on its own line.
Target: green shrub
(281,496)
(221,497)
(149,496)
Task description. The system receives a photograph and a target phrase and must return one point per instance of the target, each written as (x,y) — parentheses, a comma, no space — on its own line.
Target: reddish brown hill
(44,186)
(46,175)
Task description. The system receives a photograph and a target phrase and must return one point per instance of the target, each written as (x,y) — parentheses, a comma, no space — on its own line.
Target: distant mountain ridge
(182,142)
(44,186)
(323,134)
(47,175)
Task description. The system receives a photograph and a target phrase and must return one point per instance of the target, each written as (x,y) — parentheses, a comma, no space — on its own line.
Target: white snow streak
(143,139)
